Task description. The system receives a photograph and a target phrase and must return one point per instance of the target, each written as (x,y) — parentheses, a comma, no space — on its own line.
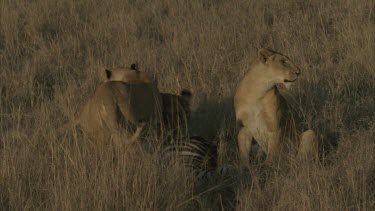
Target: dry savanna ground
(51,50)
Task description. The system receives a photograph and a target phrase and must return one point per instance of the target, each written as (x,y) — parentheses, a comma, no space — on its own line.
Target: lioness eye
(283,61)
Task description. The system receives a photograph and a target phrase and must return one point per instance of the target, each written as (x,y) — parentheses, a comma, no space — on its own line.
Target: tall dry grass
(50,52)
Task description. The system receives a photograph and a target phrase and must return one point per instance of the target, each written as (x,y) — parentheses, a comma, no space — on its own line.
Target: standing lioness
(262,112)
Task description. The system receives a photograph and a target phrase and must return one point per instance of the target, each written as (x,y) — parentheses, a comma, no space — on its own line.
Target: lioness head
(128,75)
(278,68)
(176,110)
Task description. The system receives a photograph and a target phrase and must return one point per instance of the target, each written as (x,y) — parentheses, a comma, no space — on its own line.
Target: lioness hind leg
(308,148)
(244,139)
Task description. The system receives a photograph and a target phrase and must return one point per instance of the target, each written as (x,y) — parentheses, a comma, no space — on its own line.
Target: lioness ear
(134,66)
(108,74)
(104,74)
(186,94)
(264,54)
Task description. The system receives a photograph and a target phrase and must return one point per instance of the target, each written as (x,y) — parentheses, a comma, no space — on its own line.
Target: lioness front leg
(308,147)
(244,139)
(121,137)
(137,133)
(273,148)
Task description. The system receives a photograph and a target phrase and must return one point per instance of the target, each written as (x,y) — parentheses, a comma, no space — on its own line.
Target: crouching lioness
(262,112)
(127,100)
(121,105)
(116,106)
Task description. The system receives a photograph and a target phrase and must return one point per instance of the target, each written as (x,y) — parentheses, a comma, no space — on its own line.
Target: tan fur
(261,111)
(116,106)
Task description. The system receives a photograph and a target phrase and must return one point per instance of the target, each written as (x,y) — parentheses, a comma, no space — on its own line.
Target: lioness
(116,105)
(126,97)
(175,108)
(134,99)
(262,112)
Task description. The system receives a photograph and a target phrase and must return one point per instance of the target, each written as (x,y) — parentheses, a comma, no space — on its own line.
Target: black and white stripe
(195,153)
(200,155)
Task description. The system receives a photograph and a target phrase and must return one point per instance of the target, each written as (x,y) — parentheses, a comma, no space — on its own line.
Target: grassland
(50,53)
